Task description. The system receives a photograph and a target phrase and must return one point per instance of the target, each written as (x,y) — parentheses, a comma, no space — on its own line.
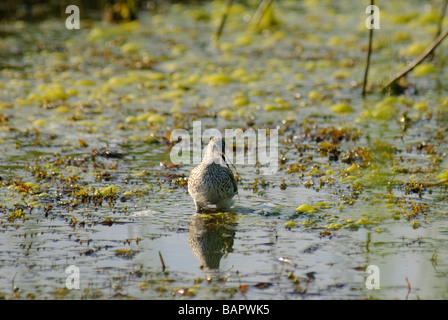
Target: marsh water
(87,178)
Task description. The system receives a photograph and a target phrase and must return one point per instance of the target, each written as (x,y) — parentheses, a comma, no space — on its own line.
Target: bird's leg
(198,207)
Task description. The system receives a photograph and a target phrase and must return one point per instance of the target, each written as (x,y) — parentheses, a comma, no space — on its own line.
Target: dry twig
(369,52)
(223,20)
(417,61)
(264,5)
(161,260)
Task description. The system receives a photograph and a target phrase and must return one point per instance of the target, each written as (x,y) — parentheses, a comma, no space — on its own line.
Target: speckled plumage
(212,183)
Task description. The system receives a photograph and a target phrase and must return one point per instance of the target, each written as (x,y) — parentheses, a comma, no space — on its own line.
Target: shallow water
(108,123)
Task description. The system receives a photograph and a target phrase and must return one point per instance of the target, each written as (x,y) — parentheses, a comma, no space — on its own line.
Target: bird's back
(210,183)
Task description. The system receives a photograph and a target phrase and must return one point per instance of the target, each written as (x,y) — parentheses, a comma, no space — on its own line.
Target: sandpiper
(213,182)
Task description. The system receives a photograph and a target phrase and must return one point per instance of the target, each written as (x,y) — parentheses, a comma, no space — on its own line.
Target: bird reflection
(211,236)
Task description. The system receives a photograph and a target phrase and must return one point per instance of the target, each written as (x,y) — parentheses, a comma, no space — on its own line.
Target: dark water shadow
(211,237)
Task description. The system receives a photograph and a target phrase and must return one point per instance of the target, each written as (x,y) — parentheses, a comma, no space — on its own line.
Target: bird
(212,182)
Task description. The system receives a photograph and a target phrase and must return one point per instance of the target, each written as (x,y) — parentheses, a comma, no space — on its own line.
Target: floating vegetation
(125,253)
(306,208)
(86,124)
(16,214)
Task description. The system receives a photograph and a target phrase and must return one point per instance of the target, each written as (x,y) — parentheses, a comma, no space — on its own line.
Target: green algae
(85,127)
